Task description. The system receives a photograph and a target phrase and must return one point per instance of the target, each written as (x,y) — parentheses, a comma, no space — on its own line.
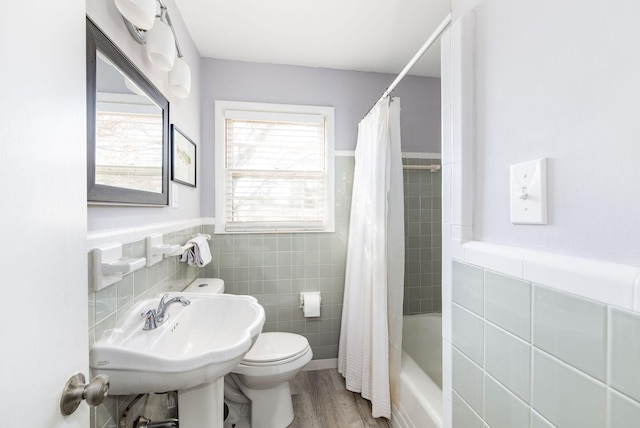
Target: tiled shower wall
(423,238)
(276,267)
(106,306)
(525,355)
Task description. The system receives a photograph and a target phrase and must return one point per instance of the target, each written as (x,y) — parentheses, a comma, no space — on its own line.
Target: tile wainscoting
(276,267)
(533,353)
(108,305)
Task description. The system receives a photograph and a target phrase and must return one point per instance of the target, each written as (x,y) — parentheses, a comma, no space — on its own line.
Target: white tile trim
(610,283)
(499,258)
(126,235)
(457,249)
(636,295)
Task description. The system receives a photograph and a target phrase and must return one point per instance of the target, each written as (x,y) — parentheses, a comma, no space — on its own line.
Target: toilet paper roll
(311,304)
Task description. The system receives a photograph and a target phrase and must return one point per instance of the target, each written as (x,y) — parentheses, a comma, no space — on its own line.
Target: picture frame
(183,158)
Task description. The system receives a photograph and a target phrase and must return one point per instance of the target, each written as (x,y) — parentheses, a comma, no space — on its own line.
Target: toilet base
(243,422)
(270,408)
(238,414)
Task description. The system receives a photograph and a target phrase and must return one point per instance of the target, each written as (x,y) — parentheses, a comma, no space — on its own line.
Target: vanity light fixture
(159,38)
(141,13)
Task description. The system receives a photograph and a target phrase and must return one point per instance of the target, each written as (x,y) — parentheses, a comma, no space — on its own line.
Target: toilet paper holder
(308,293)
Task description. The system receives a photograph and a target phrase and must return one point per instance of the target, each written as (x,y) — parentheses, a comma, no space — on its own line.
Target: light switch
(528,188)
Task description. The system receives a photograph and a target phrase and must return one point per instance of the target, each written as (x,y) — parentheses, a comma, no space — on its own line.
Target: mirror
(127,129)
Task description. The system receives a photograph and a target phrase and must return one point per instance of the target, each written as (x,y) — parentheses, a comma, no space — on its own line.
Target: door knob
(75,391)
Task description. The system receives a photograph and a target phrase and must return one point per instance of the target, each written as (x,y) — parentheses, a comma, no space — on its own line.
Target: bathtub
(419,402)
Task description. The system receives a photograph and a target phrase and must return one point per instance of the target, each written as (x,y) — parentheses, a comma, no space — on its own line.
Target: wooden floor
(320,400)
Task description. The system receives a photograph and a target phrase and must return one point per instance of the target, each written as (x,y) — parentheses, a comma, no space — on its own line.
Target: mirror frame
(104,194)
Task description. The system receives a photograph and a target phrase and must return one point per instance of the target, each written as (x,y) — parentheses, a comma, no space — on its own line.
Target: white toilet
(263,375)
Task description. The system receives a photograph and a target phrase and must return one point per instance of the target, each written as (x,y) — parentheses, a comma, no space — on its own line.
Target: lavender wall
(352,93)
(557,80)
(183,112)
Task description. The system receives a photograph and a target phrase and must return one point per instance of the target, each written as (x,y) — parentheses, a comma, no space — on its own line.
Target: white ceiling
(365,35)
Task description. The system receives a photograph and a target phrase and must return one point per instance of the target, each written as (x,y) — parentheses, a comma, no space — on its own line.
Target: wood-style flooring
(320,400)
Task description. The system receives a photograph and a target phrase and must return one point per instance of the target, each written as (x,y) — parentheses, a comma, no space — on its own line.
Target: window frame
(220,185)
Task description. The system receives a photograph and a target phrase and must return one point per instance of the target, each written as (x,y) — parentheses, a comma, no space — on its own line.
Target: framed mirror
(127,129)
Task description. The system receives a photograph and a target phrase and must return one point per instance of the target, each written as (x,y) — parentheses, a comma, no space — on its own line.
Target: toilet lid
(274,346)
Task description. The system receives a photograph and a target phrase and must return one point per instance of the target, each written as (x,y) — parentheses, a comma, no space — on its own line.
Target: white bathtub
(419,403)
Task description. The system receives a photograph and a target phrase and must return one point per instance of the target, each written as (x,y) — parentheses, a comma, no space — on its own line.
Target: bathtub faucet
(156,317)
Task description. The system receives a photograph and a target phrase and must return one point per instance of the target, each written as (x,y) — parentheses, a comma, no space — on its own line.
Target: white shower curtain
(372,311)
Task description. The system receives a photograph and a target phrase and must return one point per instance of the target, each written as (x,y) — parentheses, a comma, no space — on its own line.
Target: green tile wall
(423,238)
(106,306)
(540,357)
(276,267)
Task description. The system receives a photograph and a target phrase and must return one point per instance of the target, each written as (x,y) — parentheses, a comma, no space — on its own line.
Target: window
(274,168)
(128,151)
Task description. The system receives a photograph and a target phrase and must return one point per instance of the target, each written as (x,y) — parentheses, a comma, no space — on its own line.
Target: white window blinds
(276,172)
(128,142)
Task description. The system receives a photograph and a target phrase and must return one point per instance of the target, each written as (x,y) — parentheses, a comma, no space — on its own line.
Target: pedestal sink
(190,352)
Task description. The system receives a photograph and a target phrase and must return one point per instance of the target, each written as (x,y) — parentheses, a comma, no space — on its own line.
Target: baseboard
(329,363)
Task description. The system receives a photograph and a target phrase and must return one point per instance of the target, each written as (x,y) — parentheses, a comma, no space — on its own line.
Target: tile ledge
(606,282)
(499,258)
(97,238)
(636,294)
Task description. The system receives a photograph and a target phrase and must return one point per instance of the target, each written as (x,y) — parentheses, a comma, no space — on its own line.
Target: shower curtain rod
(434,36)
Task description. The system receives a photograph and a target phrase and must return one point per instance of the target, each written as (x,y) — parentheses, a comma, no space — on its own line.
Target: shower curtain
(371,330)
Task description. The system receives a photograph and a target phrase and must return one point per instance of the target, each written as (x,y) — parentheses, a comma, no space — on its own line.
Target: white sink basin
(198,344)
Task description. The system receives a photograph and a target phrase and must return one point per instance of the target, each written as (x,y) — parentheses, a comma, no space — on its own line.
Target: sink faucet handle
(156,317)
(163,300)
(150,322)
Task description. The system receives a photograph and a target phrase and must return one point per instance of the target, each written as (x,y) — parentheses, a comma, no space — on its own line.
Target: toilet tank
(205,286)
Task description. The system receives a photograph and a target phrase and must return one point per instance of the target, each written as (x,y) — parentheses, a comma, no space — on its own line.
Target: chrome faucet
(156,317)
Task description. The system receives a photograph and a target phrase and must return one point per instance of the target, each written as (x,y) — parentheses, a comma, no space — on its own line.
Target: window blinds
(275,171)
(129,150)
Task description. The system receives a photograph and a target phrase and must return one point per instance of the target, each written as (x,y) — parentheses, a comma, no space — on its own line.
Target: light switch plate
(528,192)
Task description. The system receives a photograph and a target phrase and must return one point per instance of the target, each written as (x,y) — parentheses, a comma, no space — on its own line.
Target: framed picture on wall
(183,158)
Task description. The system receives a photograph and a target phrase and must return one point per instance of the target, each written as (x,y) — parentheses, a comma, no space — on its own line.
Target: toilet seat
(275,348)
(264,374)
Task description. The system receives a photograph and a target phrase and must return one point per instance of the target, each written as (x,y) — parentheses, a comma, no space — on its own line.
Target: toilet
(263,375)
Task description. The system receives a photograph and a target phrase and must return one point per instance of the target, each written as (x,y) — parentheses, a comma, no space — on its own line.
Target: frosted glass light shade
(161,46)
(180,78)
(141,13)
